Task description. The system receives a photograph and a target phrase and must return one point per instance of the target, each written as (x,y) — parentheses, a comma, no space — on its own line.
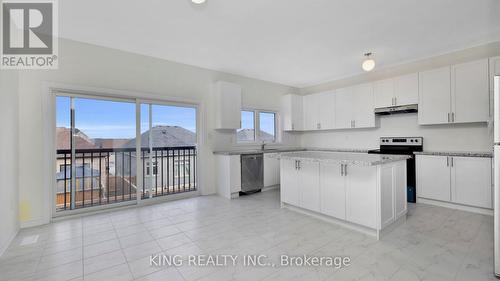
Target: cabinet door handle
(453,118)
(451,161)
(395,100)
(298,162)
(448,117)
(345,169)
(295,164)
(447,161)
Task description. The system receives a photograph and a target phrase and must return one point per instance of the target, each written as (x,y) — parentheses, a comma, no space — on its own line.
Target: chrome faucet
(263,145)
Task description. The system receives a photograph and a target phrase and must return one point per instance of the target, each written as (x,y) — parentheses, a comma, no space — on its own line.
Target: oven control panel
(412,141)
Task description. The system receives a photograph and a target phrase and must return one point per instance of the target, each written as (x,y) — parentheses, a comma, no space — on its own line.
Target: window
(257,126)
(155,168)
(247,131)
(267,125)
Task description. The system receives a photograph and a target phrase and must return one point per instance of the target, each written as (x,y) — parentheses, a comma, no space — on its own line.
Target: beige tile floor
(434,244)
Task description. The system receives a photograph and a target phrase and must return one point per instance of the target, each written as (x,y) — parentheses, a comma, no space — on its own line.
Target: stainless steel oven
(403,146)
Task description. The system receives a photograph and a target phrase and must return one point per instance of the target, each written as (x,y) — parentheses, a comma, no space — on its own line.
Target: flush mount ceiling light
(368,63)
(198,1)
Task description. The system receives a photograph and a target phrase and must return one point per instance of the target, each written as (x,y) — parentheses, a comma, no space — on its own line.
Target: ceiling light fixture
(368,63)
(198,1)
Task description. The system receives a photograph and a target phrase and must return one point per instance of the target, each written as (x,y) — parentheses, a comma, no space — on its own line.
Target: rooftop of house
(166,136)
(162,136)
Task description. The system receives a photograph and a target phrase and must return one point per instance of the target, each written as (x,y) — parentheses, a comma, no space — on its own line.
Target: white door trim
(49,92)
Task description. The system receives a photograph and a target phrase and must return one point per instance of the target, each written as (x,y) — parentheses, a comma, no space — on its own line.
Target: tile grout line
(121,250)
(468,250)
(83,249)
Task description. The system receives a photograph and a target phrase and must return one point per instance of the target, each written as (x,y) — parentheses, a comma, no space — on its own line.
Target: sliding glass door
(97,162)
(168,135)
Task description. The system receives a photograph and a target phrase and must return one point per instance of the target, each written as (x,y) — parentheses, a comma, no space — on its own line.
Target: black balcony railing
(106,176)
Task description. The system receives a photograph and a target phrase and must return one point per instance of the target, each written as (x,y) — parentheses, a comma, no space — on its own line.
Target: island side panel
(392,186)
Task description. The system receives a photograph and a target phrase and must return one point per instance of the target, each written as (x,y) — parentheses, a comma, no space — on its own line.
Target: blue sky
(110,119)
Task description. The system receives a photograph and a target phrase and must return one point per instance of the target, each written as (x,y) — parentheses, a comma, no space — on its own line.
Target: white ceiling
(293,42)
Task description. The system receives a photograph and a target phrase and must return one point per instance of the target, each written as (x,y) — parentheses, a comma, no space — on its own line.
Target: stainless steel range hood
(412,108)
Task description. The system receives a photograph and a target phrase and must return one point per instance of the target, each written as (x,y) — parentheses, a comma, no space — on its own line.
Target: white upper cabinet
(354,107)
(406,89)
(343,108)
(434,96)
(326,110)
(363,106)
(292,112)
(456,94)
(470,97)
(494,70)
(384,93)
(319,111)
(227,105)
(311,112)
(402,90)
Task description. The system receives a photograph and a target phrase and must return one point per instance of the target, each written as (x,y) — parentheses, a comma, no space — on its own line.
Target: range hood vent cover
(412,108)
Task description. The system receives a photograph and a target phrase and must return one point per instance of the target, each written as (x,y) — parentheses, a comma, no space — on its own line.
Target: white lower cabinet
(361,195)
(309,197)
(228,175)
(471,181)
(332,190)
(457,180)
(433,177)
(271,170)
(300,184)
(400,200)
(289,182)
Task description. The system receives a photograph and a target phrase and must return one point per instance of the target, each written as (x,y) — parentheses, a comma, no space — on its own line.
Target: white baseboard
(32,223)
(271,187)
(6,245)
(471,209)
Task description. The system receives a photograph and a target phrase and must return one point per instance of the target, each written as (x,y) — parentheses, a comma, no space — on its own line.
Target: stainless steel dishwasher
(252,173)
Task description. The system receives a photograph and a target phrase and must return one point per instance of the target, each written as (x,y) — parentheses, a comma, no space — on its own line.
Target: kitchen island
(366,192)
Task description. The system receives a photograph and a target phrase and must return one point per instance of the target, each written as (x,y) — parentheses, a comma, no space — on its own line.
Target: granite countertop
(285,149)
(256,151)
(350,158)
(486,154)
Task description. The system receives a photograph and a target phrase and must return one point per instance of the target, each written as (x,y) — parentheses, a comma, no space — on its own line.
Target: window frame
(256,123)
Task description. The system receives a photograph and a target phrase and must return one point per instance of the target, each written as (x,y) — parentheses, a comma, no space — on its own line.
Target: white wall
(9,224)
(93,66)
(470,137)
